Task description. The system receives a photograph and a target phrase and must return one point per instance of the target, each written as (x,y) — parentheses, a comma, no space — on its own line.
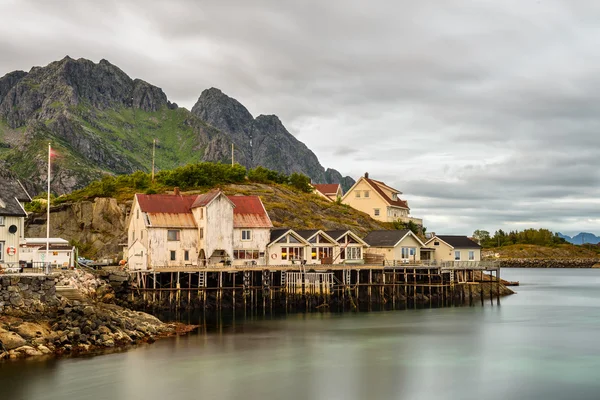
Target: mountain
(262,140)
(101,121)
(581,238)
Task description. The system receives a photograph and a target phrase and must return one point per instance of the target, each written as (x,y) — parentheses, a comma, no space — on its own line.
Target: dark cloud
(483,113)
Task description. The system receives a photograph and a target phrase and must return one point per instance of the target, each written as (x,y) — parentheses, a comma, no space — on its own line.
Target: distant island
(581,238)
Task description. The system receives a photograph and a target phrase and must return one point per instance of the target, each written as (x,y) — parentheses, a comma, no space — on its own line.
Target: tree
(300,182)
(481,236)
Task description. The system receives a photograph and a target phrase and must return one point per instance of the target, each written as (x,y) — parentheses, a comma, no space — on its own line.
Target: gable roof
(340,233)
(327,188)
(376,185)
(456,241)
(389,238)
(206,198)
(249,212)
(12,193)
(165,203)
(309,233)
(278,233)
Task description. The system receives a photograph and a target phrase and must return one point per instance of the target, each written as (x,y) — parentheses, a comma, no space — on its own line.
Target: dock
(304,287)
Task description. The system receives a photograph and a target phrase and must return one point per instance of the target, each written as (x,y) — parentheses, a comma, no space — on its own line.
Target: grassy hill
(534,251)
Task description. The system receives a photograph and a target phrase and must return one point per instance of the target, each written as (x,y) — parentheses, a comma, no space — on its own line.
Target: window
(354,253)
(173,235)
(325,252)
(436,243)
(313,253)
(201,212)
(408,252)
(342,254)
(395,196)
(357,193)
(292,253)
(1,251)
(173,255)
(246,254)
(376,212)
(405,252)
(366,193)
(246,234)
(284,253)
(142,235)
(186,255)
(471,255)
(137,214)
(457,255)
(201,233)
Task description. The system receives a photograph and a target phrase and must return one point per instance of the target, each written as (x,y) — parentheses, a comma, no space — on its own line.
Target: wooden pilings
(343,288)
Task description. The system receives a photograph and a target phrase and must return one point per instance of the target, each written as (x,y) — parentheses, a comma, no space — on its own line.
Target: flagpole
(48,214)
(153,153)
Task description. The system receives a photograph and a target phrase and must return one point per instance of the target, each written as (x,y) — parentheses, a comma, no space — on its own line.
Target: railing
(469,264)
(26,268)
(406,263)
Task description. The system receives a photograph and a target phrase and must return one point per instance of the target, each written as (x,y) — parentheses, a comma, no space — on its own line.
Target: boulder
(11,340)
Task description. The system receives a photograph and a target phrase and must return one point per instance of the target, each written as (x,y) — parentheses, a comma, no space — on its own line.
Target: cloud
(483,113)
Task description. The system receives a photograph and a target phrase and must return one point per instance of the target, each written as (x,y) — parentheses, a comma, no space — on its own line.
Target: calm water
(542,343)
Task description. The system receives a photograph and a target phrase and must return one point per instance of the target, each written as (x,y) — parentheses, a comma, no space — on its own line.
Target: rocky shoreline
(37,320)
(550,263)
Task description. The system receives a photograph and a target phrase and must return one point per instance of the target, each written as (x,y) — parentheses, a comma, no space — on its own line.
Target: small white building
(251,230)
(286,247)
(323,248)
(401,246)
(61,253)
(13,197)
(351,248)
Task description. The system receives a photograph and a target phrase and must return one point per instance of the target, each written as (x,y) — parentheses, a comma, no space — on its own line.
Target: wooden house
(351,248)
(13,197)
(454,248)
(401,246)
(323,248)
(251,230)
(329,191)
(286,247)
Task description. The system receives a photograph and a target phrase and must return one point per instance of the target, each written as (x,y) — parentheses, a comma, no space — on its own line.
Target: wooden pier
(258,288)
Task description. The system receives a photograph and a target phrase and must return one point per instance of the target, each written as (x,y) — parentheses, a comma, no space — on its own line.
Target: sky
(484,113)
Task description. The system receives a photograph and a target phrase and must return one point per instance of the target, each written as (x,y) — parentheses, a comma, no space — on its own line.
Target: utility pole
(232,154)
(153,154)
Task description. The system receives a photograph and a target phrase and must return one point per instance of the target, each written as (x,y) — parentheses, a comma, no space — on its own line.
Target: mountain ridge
(581,238)
(102,121)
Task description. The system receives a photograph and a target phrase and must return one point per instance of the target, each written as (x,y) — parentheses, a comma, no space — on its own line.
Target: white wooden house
(207,229)
(323,248)
(351,248)
(33,252)
(452,248)
(251,230)
(286,247)
(13,197)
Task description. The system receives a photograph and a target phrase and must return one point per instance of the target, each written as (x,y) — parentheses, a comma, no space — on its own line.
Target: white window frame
(376,212)
(246,235)
(366,194)
(2,251)
(456,253)
(471,255)
(2,220)
(353,253)
(172,255)
(357,194)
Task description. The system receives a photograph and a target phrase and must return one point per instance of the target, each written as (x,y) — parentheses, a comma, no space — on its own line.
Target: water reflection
(540,344)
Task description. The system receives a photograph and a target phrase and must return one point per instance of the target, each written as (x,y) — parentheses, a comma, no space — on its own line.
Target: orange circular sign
(11,251)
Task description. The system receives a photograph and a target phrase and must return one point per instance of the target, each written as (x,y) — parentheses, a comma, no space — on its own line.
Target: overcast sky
(485,113)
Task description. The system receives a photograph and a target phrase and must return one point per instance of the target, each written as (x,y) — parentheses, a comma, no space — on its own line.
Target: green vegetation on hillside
(540,237)
(550,252)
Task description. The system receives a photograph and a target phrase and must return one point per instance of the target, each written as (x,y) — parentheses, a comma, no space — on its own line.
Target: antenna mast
(232,154)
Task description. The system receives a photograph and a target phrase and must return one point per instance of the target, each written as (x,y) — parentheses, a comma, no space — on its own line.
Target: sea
(541,343)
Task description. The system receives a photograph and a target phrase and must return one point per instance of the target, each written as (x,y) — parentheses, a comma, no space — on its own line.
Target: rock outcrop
(263,140)
(549,263)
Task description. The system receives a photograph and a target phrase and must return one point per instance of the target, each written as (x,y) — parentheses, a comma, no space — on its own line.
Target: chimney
(366,175)
(176,191)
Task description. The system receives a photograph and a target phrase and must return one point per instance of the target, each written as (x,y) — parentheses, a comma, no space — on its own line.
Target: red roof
(165,203)
(249,212)
(327,188)
(376,185)
(205,198)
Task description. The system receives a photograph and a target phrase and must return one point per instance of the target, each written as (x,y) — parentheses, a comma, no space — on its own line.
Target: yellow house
(330,191)
(379,200)
(454,248)
(395,245)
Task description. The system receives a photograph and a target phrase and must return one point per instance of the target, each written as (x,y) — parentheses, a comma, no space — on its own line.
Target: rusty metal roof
(172,220)
(249,212)
(203,199)
(165,203)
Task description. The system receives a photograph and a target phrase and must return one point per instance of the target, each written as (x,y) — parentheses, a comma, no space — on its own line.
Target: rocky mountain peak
(223,112)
